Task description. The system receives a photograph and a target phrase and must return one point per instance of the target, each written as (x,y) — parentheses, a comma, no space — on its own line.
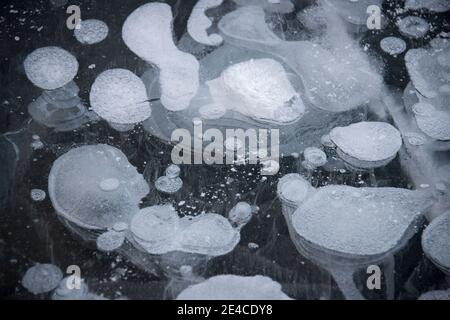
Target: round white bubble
(91,31)
(42,278)
(119,96)
(413,27)
(50,67)
(315,156)
(37,194)
(393,45)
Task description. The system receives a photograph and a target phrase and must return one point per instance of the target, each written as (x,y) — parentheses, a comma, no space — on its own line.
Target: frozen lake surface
(87,180)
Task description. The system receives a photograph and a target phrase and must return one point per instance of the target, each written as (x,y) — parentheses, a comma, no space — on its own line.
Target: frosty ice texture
(294,136)
(147,31)
(413,27)
(42,278)
(199,23)
(91,31)
(359,221)
(67,291)
(432,122)
(432,5)
(426,97)
(232,287)
(259,89)
(293,189)
(429,71)
(59,107)
(393,45)
(314,157)
(80,186)
(171,182)
(273,6)
(343,228)
(37,195)
(160,230)
(435,295)
(110,240)
(367,144)
(240,214)
(436,242)
(50,67)
(354,11)
(337,75)
(119,96)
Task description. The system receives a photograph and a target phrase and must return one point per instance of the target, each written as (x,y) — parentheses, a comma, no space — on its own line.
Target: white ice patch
(259,89)
(171,182)
(436,241)
(50,67)
(42,278)
(240,214)
(367,142)
(91,31)
(199,23)
(273,6)
(77,187)
(413,27)
(432,122)
(354,11)
(294,188)
(431,5)
(232,287)
(119,96)
(160,230)
(359,221)
(148,33)
(315,157)
(337,77)
(435,295)
(428,69)
(393,45)
(67,291)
